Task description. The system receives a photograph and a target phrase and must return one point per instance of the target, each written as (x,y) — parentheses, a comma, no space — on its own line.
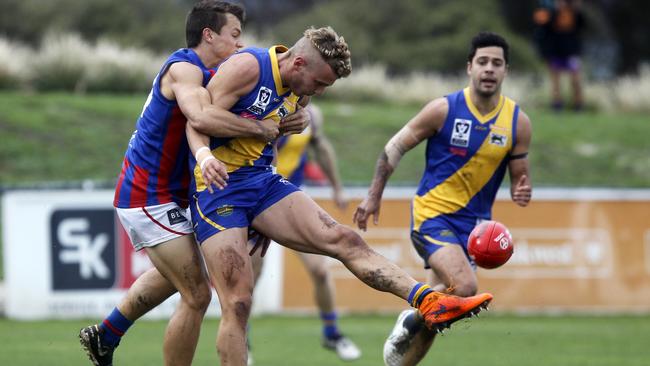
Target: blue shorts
(245,197)
(565,63)
(441,231)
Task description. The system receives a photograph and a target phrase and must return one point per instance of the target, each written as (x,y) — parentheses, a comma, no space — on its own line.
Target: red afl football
(490,243)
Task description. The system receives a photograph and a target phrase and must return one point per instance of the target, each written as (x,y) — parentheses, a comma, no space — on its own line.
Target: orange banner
(570,254)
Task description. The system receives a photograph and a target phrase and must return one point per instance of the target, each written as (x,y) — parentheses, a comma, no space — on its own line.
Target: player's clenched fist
(295,123)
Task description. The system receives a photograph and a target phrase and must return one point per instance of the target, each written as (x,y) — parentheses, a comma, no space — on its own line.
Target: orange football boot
(440,310)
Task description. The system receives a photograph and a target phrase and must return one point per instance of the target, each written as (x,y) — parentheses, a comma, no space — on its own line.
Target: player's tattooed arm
(425,124)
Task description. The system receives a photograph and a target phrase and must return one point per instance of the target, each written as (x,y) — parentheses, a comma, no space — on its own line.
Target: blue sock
(330,330)
(418,293)
(114,326)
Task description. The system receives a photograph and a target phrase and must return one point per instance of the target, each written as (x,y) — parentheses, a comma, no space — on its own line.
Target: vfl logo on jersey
(498,139)
(460,133)
(262,101)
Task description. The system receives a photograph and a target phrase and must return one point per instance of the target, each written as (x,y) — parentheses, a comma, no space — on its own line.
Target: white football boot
(398,341)
(344,348)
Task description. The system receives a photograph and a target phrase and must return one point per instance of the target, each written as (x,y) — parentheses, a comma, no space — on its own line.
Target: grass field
(65,137)
(492,340)
(59,137)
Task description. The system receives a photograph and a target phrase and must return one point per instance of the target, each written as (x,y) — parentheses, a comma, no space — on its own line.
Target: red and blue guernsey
(155,167)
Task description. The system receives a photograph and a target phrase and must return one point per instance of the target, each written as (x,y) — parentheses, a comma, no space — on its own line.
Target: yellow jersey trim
(198,209)
(480,117)
(273,53)
(455,192)
(437,242)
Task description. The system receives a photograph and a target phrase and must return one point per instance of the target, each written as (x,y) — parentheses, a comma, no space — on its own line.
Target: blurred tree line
(414,35)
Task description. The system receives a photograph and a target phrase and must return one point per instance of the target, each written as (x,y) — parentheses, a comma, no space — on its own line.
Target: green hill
(61,137)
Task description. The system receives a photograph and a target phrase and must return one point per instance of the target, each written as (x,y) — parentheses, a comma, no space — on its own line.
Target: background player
(472,136)
(256,197)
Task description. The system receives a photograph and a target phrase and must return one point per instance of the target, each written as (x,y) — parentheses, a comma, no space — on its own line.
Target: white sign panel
(67,256)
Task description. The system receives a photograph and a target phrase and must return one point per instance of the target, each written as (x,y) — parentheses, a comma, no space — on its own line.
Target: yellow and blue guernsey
(465,165)
(292,156)
(252,186)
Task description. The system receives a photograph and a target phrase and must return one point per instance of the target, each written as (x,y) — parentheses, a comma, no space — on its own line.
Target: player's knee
(465,288)
(238,308)
(200,298)
(319,274)
(348,243)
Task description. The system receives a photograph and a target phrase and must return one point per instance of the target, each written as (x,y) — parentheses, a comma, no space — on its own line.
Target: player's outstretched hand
(214,173)
(295,123)
(368,207)
(522,191)
(261,241)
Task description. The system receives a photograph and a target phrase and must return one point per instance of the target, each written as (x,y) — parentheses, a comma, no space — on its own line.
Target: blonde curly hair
(332,48)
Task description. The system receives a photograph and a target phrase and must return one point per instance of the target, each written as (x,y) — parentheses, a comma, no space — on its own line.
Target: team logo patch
(283,111)
(498,139)
(175,216)
(446,233)
(262,101)
(225,210)
(461,132)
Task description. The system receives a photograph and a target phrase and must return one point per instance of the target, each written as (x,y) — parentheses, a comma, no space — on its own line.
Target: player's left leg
(556,89)
(451,271)
(231,273)
(298,222)
(576,84)
(258,265)
(442,249)
(333,339)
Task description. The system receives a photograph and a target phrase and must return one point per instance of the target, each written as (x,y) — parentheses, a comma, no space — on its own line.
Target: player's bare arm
(225,91)
(520,184)
(183,82)
(424,125)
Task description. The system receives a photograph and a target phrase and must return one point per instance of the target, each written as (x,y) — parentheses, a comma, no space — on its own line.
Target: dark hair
(209,14)
(488,39)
